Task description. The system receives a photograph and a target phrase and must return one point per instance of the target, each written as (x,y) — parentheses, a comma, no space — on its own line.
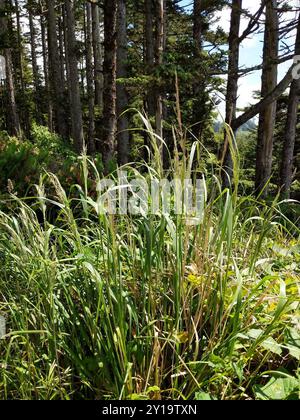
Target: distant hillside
(250,125)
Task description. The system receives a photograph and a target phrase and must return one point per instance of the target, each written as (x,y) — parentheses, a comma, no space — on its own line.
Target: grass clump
(148,307)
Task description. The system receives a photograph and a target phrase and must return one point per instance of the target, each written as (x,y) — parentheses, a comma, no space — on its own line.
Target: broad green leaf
(292,342)
(268,344)
(278,389)
(203,396)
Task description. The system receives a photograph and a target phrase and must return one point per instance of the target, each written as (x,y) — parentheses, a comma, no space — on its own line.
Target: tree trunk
(109,73)
(75,101)
(155,37)
(46,74)
(65,31)
(197,28)
(20,54)
(150,105)
(98,76)
(56,83)
(268,115)
(232,88)
(15,121)
(35,69)
(253,110)
(82,61)
(122,99)
(15,128)
(23,108)
(149,53)
(159,52)
(200,96)
(61,43)
(90,79)
(286,175)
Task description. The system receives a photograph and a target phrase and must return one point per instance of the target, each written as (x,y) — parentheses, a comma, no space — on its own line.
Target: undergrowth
(148,307)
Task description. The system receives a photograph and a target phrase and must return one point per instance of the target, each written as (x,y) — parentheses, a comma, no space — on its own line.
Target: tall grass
(101,306)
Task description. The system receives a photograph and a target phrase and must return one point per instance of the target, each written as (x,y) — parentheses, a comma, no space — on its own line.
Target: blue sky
(250,53)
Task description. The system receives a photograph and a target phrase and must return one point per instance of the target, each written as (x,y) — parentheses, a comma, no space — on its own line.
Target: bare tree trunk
(286,174)
(46,74)
(149,58)
(109,72)
(159,52)
(90,81)
(122,98)
(82,62)
(62,50)
(155,36)
(15,121)
(19,77)
(20,55)
(232,87)
(199,94)
(75,101)
(65,31)
(15,127)
(197,28)
(268,115)
(35,69)
(56,83)
(149,53)
(97,55)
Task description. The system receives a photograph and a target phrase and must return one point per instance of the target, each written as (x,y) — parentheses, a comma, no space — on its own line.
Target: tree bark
(109,73)
(97,55)
(232,87)
(23,108)
(155,37)
(197,28)
(46,74)
(61,44)
(267,117)
(15,128)
(200,95)
(75,101)
(15,121)
(20,54)
(35,68)
(149,53)
(90,79)
(286,175)
(159,53)
(56,83)
(122,98)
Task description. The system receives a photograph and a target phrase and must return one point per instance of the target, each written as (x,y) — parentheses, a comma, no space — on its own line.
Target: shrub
(23,162)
